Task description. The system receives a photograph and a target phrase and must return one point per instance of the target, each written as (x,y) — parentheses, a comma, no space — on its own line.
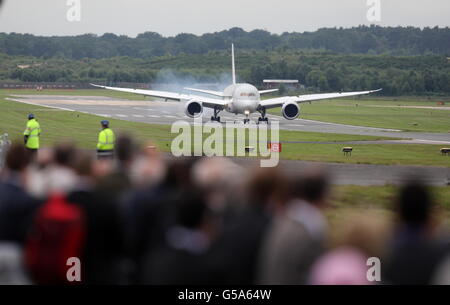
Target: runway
(157,112)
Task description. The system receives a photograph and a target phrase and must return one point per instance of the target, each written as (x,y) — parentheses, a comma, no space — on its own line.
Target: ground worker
(31,134)
(106,140)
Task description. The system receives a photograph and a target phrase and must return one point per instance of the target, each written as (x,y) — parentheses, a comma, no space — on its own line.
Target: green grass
(367,197)
(379,200)
(83,129)
(389,154)
(362,112)
(60,125)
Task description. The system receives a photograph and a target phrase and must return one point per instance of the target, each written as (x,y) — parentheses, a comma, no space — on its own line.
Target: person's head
(414,204)
(191,210)
(17,158)
(105,124)
(178,173)
(312,186)
(149,167)
(30,116)
(64,154)
(125,148)
(364,230)
(220,180)
(268,187)
(83,164)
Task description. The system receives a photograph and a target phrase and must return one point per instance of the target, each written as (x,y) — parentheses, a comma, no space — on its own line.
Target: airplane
(238,98)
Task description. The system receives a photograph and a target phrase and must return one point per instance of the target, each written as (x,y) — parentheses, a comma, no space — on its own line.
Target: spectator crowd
(146,218)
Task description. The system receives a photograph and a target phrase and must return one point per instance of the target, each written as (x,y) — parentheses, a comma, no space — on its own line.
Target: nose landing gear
(263,117)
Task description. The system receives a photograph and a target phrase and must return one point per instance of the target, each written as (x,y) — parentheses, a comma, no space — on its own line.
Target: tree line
(356,40)
(317,72)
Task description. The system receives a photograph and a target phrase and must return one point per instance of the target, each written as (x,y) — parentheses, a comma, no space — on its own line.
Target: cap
(31,116)
(104,123)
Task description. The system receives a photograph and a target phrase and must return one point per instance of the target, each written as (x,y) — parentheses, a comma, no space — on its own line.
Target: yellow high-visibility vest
(106,139)
(33,132)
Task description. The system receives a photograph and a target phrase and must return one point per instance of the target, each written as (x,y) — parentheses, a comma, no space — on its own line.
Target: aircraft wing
(267,91)
(279,101)
(207,102)
(211,92)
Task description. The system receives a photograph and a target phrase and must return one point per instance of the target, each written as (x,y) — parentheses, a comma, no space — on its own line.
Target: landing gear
(216,118)
(263,118)
(246,121)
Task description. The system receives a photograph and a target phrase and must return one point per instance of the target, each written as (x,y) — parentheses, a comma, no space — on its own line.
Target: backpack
(57,234)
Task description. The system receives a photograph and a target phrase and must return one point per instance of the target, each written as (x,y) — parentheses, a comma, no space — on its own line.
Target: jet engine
(193,109)
(290,111)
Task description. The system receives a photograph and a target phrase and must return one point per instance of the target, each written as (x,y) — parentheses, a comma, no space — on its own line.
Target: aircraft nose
(250,105)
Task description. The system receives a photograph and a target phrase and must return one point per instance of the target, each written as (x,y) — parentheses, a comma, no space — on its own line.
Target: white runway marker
(138,115)
(122,115)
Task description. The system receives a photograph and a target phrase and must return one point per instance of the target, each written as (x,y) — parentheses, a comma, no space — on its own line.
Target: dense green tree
(363,40)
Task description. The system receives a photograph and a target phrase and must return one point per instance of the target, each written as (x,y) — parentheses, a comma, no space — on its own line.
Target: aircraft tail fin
(233,68)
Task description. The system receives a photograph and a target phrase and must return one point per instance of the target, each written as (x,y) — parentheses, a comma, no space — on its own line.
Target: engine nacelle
(193,109)
(290,111)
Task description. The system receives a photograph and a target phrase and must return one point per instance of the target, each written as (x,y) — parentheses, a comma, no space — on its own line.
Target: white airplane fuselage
(243,98)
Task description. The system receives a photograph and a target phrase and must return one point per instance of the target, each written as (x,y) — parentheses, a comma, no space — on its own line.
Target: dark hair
(17,157)
(414,204)
(178,173)
(83,163)
(125,148)
(64,154)
(266,183)
(311,186)
(191,209)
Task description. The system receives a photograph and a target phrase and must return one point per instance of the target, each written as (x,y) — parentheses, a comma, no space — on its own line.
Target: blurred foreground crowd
(146,218)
